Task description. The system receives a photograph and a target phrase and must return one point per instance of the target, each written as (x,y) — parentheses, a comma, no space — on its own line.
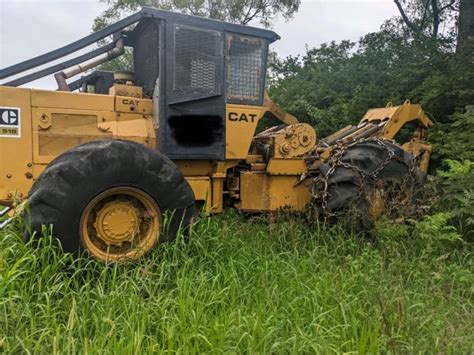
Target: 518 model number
(9,131)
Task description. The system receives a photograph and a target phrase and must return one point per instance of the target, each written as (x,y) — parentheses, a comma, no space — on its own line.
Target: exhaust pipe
(61,77)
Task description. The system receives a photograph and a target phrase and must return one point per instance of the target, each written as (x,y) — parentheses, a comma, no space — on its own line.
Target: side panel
(286,167)
(201,186)
(16,158)
(63,120)
(56,130)
(260,192)
(241,122)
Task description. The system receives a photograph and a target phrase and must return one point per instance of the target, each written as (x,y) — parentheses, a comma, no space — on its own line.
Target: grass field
(244,285)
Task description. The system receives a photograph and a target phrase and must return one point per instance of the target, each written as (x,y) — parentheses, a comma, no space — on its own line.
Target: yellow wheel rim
(120,224)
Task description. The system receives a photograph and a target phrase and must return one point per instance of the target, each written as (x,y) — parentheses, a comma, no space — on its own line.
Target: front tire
(113,199)
(366,180)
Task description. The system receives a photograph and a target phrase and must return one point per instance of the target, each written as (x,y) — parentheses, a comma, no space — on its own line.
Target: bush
(457,189)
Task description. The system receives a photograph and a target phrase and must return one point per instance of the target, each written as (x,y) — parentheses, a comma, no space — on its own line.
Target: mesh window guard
(245,69)
(197,56)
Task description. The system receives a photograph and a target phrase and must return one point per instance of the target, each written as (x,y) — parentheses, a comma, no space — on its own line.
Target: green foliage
(457,169)
(434,234)
(333,85)
(435,228)
(237,11)
(457,188)
(240,286)
(453,139)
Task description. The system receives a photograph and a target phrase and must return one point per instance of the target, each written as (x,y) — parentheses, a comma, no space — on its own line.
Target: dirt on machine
(114,163)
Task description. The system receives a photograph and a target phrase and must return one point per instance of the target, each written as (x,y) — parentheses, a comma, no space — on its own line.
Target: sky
(32,27)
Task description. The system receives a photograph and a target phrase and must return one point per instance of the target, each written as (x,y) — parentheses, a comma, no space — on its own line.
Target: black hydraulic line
(61,66)
(70,48)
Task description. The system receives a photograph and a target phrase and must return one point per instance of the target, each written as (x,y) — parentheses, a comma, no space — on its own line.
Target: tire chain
(320,181)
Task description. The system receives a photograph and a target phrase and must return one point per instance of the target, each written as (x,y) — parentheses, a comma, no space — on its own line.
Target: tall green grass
(243,285)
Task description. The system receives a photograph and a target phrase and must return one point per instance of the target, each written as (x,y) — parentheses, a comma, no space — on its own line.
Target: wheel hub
(120,224)
(117,222)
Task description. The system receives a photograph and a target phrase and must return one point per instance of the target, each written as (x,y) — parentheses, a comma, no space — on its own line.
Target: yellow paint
(117,222)
(137,128)
(53,122)
(71,100)
(114,231)
(420,150)
(253,158)
(290,141)
(286,167)
(260,192)
(396,117)
(195,167)
(202,190)
(133,105)
(390,119)
(56,130)
(16,160)
(241,122)
(217,194)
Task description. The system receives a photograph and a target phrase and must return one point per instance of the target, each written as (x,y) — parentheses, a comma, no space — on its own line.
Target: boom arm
(276,111)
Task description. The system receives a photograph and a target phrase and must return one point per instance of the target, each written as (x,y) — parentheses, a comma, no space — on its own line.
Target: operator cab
(191,67)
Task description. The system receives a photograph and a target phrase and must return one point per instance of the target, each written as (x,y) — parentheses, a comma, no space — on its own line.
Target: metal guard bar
(61,66)
(68,49)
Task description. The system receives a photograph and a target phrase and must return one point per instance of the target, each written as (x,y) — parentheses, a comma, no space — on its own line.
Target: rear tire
(111,199)
(372,178)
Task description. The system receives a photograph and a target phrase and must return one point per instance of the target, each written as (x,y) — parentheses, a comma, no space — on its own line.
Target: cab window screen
(197,57)
(245,69)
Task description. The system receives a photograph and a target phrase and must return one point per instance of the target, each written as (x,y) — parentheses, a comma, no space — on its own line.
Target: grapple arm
(395,117)
(385,123)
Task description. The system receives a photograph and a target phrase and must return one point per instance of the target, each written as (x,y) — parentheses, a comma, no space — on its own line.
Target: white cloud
(320,21)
